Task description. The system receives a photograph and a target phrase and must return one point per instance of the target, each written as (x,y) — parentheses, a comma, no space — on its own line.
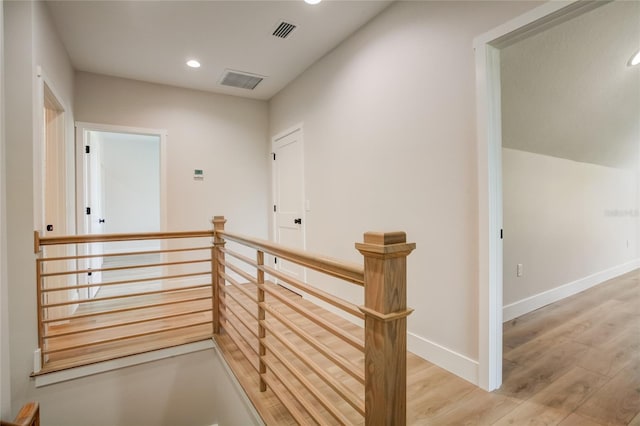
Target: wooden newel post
(217,282)
(385,309)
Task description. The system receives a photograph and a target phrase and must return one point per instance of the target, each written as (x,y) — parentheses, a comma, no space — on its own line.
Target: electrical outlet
(519,270)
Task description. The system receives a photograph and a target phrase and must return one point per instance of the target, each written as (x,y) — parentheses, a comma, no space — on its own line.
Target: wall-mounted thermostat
(198,174)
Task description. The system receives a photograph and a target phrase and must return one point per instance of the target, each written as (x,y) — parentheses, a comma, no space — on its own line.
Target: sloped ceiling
(567,92)
(152,40)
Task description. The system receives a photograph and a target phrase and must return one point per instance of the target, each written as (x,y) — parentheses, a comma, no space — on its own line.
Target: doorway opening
(120,190)
(489,119)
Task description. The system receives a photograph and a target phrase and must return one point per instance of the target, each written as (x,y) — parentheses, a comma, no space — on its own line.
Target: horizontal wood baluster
(337,359)
(108,327)
(241,257)
(344,392)
(247,350)
(349,308)
(241,320)
(118,339)
(124,296)
(316,319)
(242,273)
(124,254)
(313,390)
(295,394)
(139,280)
(245,307)
(122,310)
(124,268)
(239,286)
(295,412)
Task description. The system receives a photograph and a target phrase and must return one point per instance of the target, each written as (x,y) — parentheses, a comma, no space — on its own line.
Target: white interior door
(289,200)
(94,215)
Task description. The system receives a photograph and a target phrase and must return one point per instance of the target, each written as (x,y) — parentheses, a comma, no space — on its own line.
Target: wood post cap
(385,238)
(386,243)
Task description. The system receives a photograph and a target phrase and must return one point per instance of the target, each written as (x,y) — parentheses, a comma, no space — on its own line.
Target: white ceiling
(568,92)
(152,40)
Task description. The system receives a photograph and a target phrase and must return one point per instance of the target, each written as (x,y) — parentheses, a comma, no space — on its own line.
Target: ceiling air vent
(283,30)
(243,80)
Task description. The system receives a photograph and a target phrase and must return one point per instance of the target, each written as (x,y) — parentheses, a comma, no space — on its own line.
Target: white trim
(489,144)
(39,148)
(539,300)
(81,127)
(451,361)
(115,364)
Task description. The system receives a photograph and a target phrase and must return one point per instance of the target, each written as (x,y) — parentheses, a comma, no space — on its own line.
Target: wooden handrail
(346,271)
(29,415)
(105,238)
(384,312)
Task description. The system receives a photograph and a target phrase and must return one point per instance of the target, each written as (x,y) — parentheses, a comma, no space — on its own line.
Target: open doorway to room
(120,180)
(568,179)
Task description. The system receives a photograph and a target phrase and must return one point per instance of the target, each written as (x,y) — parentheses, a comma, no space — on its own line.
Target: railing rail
(321,369)
(29,415)
(95,306)
(361,377)
(327,265)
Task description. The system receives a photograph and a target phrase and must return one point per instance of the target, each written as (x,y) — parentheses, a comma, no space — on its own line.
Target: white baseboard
(451,361)
(539,300)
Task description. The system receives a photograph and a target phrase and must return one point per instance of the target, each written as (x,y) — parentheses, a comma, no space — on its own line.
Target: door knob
(298,221)
(100,220)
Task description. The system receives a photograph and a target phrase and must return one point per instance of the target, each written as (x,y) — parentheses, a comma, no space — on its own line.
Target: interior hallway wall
(563,221)
(224,136)
(390,144)
(5,380)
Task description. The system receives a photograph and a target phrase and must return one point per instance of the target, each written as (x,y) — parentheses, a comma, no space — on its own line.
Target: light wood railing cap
(385,243)
(218,220)
(29,415)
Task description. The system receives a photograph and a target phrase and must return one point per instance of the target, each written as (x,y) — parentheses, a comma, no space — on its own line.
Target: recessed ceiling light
(635,59)
(312,1)
(193,63)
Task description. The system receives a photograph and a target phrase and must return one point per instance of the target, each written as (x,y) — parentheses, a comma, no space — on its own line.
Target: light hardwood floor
(575,362)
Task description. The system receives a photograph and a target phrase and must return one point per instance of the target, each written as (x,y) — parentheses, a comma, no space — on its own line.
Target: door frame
(489,161)
(274,223)
(39,148)
(81,128)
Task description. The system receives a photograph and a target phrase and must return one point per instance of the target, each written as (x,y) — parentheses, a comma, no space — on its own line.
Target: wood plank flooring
(575,362)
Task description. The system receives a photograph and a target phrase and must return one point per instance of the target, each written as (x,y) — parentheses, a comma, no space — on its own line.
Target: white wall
(131,183)
(223,135)
(19,74)
(5,382)
(192,389)
(130,167)
(389,127)
(564,221)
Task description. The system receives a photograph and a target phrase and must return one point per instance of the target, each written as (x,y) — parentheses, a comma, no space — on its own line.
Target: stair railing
(253,316)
